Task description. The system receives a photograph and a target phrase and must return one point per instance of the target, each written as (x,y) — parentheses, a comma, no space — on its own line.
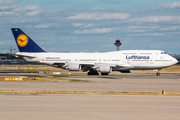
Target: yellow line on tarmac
(79,106)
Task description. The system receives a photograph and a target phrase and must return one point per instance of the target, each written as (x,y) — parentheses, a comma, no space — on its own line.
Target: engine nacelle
(105,69)
(74,67)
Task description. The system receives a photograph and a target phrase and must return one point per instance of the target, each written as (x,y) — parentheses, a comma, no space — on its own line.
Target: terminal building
(7,59)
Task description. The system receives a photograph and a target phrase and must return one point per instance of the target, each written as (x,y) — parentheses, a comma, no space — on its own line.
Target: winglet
(24,42)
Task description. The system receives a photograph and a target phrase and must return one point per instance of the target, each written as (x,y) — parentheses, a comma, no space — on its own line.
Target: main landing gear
(158,73)
(92,72)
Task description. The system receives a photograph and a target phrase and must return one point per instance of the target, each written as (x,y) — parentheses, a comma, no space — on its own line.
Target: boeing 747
(104,63)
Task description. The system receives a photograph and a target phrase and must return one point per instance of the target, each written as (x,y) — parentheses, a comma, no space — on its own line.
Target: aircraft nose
(175,61)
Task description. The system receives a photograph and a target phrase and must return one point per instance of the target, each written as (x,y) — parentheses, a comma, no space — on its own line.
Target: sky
(92,25)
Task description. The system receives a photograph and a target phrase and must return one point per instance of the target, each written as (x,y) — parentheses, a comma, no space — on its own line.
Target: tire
(104,73)
(89,73)
(158,74)
(92,73)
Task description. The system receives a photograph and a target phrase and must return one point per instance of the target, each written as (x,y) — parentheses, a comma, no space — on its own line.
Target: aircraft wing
(109,67)
(120,65)
(102,67)
(124,65)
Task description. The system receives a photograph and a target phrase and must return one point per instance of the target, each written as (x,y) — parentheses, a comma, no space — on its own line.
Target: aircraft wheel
(89,73)
(104,73)
(158,73)
(93,73)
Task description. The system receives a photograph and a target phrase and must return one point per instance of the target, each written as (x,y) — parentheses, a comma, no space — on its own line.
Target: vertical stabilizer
(24,42)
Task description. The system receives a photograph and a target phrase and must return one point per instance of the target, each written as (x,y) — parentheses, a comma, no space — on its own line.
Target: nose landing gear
(158,73)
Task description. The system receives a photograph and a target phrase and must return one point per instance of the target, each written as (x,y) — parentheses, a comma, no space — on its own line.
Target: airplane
(93,63)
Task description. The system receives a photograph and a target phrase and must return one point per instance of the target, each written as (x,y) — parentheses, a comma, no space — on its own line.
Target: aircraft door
(76,59)
(151,60)
(100,60)
(128,61)
(42,59)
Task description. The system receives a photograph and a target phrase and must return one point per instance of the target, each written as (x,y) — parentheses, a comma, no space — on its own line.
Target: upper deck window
(163,52)
(129,53)
(145,53)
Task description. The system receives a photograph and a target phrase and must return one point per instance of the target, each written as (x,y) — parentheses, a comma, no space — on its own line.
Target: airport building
(7,59)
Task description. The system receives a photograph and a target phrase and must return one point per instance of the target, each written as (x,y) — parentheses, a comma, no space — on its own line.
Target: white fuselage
(120,60)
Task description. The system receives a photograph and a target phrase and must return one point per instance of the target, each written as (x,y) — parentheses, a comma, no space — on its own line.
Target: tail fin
(24,42)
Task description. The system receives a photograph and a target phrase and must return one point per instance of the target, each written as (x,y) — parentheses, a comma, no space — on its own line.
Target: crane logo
(22,40)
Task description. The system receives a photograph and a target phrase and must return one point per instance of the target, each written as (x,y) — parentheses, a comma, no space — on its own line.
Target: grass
(49,70)
(85,92)
(47,79)
(174,68)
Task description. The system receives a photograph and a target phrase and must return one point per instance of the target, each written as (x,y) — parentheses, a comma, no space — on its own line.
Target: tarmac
(88,107)
(144,82)
(96,107)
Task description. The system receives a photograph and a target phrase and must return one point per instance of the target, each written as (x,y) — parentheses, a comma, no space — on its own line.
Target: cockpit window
(163,52)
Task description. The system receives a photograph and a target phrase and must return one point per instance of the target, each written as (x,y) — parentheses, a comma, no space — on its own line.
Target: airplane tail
(24,42)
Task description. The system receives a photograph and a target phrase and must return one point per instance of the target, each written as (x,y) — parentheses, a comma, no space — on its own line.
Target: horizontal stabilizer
(21,56)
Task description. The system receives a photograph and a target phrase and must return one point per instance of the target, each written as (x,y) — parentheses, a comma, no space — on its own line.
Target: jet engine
(105,69)
(74,67)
